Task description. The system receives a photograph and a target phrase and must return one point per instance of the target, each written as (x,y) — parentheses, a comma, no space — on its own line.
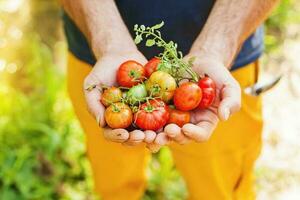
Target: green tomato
(136,94)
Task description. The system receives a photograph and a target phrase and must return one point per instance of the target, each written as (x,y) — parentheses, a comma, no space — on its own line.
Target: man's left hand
(227,102)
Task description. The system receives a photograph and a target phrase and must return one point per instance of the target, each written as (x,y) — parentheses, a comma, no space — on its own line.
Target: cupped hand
(104,73)
(227,102)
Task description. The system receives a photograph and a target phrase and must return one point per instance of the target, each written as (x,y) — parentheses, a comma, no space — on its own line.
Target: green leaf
(157,26)
(191,60)
(150,43)
(135,27)
(158,43)
(143,27)
(138,39)
(180,54)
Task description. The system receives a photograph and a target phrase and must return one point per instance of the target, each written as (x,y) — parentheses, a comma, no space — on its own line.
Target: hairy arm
(101,23)
(229,24)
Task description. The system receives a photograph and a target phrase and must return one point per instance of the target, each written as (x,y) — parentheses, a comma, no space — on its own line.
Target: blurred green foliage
(42,150)
(42,153)
(165,182)
(285,15)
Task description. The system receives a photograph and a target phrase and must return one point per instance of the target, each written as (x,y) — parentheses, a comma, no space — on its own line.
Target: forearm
(229,24)
(101,23)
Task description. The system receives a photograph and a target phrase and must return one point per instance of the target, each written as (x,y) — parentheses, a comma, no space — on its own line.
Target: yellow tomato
(161,84)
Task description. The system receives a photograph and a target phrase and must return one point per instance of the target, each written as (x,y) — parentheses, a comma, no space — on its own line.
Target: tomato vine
(171,59)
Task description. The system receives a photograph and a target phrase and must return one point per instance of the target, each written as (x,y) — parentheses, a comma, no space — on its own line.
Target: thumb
(92,96)
(230,99)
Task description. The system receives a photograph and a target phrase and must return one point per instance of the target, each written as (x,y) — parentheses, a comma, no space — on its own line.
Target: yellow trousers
(219,169)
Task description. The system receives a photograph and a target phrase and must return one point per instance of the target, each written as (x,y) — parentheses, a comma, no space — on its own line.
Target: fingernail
(91,87)
(98,120)
(226,113)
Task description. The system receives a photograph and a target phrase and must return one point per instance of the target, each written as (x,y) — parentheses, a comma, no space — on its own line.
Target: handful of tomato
(148,98)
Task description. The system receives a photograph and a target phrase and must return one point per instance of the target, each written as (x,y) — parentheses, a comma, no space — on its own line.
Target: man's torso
(183,23)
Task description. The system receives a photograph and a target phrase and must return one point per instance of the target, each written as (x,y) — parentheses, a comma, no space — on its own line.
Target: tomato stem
(91,87)
(124,88)
(171,50)
(134,74)
(115,108)
(149,108)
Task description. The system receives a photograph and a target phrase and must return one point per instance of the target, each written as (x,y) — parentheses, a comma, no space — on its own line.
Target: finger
(153,148)
(135,137)
(196,133)
(230,93)
(209,114)
(172,130)
(116,135)
(160,130)
(230,100)
(149,136)
(160,140)
(174,133)
(92,96)
(203,123)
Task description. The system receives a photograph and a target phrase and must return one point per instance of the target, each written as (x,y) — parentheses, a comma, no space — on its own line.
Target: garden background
(42,153)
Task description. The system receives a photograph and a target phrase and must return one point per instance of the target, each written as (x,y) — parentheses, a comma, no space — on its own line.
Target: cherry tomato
(136,94)
(151,66)
(187,96)
(111,95)
(208,88)
(179,117)
(162,85)
(130,73)
(118,115)
(152,115)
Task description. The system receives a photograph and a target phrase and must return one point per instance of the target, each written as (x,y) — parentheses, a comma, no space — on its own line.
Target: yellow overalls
(219,169)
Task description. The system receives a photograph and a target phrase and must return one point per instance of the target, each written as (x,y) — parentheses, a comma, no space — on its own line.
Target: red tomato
(118,115)
(208,88)
(111,95)
(179,117)
(187,96)
(152,116)
(130,73)
(151,66)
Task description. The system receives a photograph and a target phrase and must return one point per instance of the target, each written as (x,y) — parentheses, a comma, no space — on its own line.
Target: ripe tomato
(118,115)
(162,85)
(152,115)
(111,95)
(208,88)
(130,73)
(179,117)
(187,96)
(151,66)
(136,94)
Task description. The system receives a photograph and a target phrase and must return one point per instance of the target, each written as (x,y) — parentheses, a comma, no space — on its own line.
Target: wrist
(102,48)
(210,59)
(111,44)
(221,49)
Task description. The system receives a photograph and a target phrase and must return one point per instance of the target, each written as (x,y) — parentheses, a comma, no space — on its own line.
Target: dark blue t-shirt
(183,23)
